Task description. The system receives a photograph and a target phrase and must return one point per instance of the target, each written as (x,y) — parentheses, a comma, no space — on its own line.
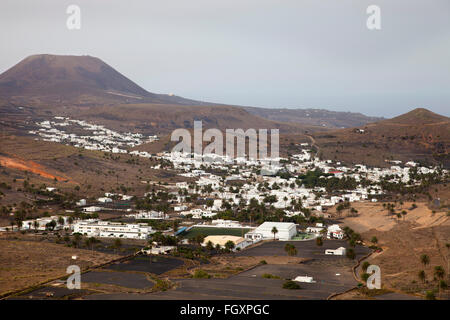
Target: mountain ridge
(418,116)
(77,80)
(416,135)
(318,117)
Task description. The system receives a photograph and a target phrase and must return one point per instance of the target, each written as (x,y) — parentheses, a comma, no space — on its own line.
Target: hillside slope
(162,119)
(317,117)
(417,135)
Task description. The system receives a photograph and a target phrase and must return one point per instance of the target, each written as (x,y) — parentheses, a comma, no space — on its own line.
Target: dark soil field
(50,293)
(306,249)
(251,285)
(333,274)
(158,265)
(122,279)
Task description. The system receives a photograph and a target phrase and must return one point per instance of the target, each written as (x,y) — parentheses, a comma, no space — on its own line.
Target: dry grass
(374,216)
(403,242)
(28,263)
(227,265)
(400,259)
(95,172)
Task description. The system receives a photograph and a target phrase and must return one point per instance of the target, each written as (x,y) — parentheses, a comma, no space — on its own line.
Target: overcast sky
(266,53)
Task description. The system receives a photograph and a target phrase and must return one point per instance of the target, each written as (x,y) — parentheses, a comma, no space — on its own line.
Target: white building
(286,231)
(80,203)
(337,252)
(105,229)
(104,200)
(92,209)
(315,230)
(148,215)
(156,249)
(304,279)
(220,223)
(41,223)
(335,232)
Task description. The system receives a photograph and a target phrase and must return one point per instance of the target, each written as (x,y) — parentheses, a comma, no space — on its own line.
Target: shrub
(365,276)
(365,265)
(319,241)
(351,254)
(290,249)
(270,276)
(229,245)
(161,285)
(291,285)
(263,262)
(200,274)
(430,295)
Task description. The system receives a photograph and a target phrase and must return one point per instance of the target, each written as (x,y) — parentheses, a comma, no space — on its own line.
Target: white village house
(337,252)
(105,229)
(286,231)
(335,232)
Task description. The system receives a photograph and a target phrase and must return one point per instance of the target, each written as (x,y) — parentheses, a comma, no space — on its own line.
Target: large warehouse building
(285,231)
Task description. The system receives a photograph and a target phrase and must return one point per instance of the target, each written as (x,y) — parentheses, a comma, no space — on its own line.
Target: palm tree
(424,259)
(365,265)
(229,245)
(404,213)
(290,249)
(70,221)
(209,245)
(150,247)
(175,226)
(87,242)
(443,285)
(374,240)
(92,241)
(422,276)
(319,241)
(350,253)
(117,244)
(447,245)
(439,273)
(352,243)
(274,231)
(76,239)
